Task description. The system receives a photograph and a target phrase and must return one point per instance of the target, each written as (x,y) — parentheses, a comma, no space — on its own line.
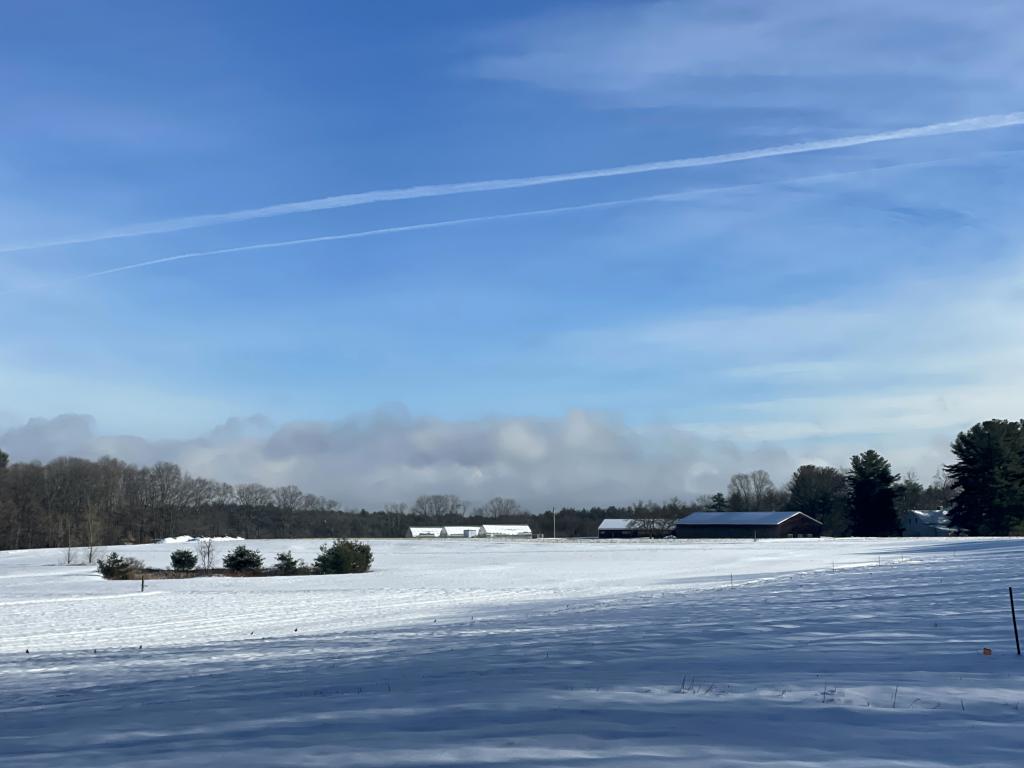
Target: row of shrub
(340,556)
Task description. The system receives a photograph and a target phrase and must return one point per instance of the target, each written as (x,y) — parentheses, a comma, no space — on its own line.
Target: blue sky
(784,309)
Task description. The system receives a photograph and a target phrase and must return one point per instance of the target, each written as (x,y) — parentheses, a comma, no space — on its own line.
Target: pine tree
(821,493)
(988,477)
(871,489)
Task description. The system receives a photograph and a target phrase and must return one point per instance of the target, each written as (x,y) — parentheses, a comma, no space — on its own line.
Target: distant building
(460,531)
(634,528)
(617,528)
(925,522)
(424,533)
(506,531)
(747,525)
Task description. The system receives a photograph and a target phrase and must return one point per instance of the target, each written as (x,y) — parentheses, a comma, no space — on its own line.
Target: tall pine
(871,489)
(821,493)
(988,478)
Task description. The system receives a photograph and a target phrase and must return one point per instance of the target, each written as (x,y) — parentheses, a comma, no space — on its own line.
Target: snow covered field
(524,653)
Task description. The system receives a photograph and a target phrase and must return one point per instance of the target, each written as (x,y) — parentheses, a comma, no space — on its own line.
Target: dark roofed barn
(747,525)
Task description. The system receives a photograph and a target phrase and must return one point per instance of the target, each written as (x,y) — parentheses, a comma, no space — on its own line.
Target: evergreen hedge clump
(113,566)
(183,560)
(343,556)
(241,558)
(287,565)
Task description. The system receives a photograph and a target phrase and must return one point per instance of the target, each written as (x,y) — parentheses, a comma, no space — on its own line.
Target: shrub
(343,556)
(183,560)
(113,566)
(241,558)
(287,564)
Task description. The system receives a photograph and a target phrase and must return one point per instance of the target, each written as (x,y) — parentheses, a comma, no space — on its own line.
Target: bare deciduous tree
(206,551)
(754,492)
(438,505)
(500,506)
(652,519)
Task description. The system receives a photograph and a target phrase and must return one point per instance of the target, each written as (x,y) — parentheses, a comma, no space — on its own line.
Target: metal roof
(739,518)
(489,528)
(458,530)
(617,524)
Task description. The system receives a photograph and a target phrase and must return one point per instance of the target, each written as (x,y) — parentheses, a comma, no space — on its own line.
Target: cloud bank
(580,459)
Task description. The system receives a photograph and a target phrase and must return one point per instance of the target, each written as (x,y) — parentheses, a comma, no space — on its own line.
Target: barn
(424,533)
(617,528)
(506,531)
(747,525)
(460,531)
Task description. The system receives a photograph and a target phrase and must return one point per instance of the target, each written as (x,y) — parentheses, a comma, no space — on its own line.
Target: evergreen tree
(241,558)
(988,477)
(287,564)
(183,560)
(342,556)
(911,494)
(719,503)
(872,492)
(821,493)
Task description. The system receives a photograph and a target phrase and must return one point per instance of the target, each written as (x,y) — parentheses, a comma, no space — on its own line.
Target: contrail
(406,228)
(666,197)
(969,125)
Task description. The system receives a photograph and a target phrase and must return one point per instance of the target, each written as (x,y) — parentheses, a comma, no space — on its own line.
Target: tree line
(71,502)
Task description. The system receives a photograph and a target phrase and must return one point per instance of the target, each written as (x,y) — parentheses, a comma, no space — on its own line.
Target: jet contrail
(408,228)
(437,190)
(665,197)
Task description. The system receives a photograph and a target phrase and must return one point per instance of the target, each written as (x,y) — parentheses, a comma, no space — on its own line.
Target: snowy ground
(527,653)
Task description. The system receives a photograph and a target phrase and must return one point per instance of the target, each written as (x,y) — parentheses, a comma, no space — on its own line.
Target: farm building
(460,531)
(617,528)
(747,525)
(505,531)
(632,528)
(424,533)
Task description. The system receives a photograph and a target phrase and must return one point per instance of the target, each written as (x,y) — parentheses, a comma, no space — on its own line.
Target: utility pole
(553,513)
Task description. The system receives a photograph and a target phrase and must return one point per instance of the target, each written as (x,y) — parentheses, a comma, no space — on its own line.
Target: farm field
(853,652)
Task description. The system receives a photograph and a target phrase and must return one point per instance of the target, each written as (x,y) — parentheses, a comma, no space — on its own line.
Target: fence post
(1013,613)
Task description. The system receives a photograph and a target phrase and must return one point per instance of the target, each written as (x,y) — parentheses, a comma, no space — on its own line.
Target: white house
(925,522)
(425,533)
(506,531)
(460,531)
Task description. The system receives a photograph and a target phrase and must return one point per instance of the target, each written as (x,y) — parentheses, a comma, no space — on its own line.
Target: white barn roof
(424,532)
(740,518)
(460,530)
(506,530)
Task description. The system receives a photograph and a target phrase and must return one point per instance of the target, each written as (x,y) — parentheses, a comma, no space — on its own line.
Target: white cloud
(767,53)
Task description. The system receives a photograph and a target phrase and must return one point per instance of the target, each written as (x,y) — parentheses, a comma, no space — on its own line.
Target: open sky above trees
(796,306)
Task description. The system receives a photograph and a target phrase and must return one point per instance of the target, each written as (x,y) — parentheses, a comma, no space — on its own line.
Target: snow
(185,539)
(853,653)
